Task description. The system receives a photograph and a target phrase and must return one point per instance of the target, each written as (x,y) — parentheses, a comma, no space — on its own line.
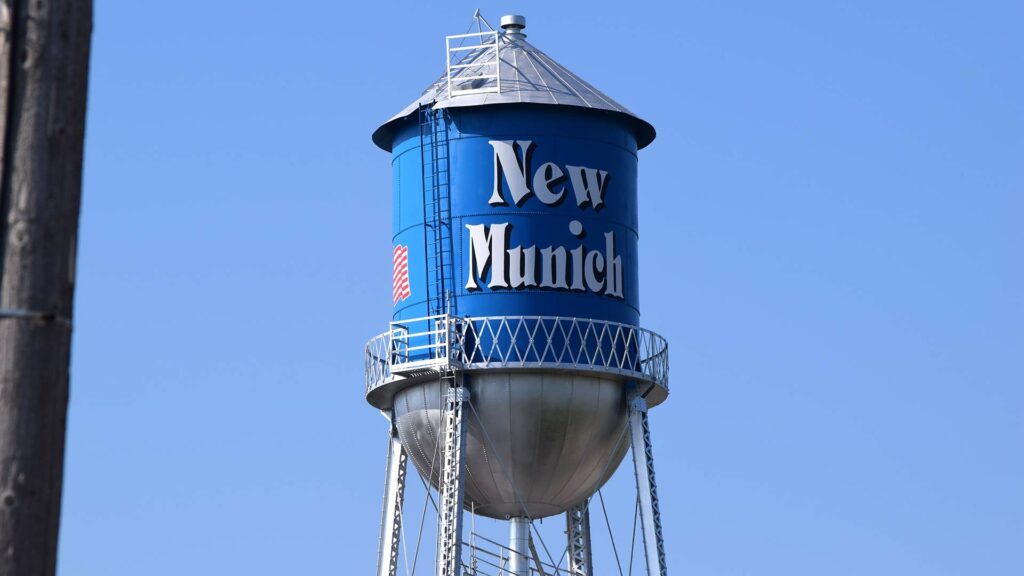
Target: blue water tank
(515,211)
(543,212)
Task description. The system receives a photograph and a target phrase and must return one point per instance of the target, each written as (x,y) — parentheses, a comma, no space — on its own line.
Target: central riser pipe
(519,547)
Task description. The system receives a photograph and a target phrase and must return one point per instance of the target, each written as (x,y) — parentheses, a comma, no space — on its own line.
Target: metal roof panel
(527,76)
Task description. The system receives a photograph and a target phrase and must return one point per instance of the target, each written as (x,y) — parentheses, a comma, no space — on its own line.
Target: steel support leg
(577,529)
(647,489)
(391,516)
(452,482)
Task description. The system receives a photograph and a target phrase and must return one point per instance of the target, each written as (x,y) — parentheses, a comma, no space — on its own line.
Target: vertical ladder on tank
(437,212)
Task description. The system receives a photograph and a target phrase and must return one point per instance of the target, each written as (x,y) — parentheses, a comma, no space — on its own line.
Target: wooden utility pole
(44,63)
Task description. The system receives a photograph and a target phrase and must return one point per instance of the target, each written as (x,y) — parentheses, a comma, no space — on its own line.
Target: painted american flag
(400,275)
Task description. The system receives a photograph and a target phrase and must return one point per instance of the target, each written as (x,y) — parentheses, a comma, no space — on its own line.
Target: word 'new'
(587,184)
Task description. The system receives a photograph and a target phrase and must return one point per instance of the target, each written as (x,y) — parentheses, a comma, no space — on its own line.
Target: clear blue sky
(831,239)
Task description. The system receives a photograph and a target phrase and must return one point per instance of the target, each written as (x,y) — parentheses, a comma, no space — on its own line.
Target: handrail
(445,343)
(488,40)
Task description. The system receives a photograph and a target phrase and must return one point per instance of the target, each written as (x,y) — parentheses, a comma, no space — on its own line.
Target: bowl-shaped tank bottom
(541,440)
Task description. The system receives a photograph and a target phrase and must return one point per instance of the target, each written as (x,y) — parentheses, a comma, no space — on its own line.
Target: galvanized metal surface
(519,546)
(451,480)
(577,530)
(537,443)
(513,22)
(527,76)
(391,514)
(647,487)
(421,347)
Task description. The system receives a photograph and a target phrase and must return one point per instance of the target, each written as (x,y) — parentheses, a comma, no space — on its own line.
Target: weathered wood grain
(44,62)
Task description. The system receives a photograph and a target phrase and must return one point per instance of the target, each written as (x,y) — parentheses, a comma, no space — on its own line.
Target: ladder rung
(471,65)
(481,77)
(473,47)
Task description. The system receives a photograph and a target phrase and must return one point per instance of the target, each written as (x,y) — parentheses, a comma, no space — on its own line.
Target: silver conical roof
(527,76)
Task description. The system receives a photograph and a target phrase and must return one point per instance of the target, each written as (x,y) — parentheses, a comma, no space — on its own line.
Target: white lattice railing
(445,342)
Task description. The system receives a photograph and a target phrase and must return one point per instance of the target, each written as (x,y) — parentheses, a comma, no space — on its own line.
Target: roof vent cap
(513,25)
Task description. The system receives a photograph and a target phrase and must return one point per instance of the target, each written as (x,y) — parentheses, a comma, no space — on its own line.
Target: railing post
(497,61)
(447,339)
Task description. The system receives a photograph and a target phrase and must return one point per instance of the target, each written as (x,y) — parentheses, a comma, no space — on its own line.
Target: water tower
(514,372)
